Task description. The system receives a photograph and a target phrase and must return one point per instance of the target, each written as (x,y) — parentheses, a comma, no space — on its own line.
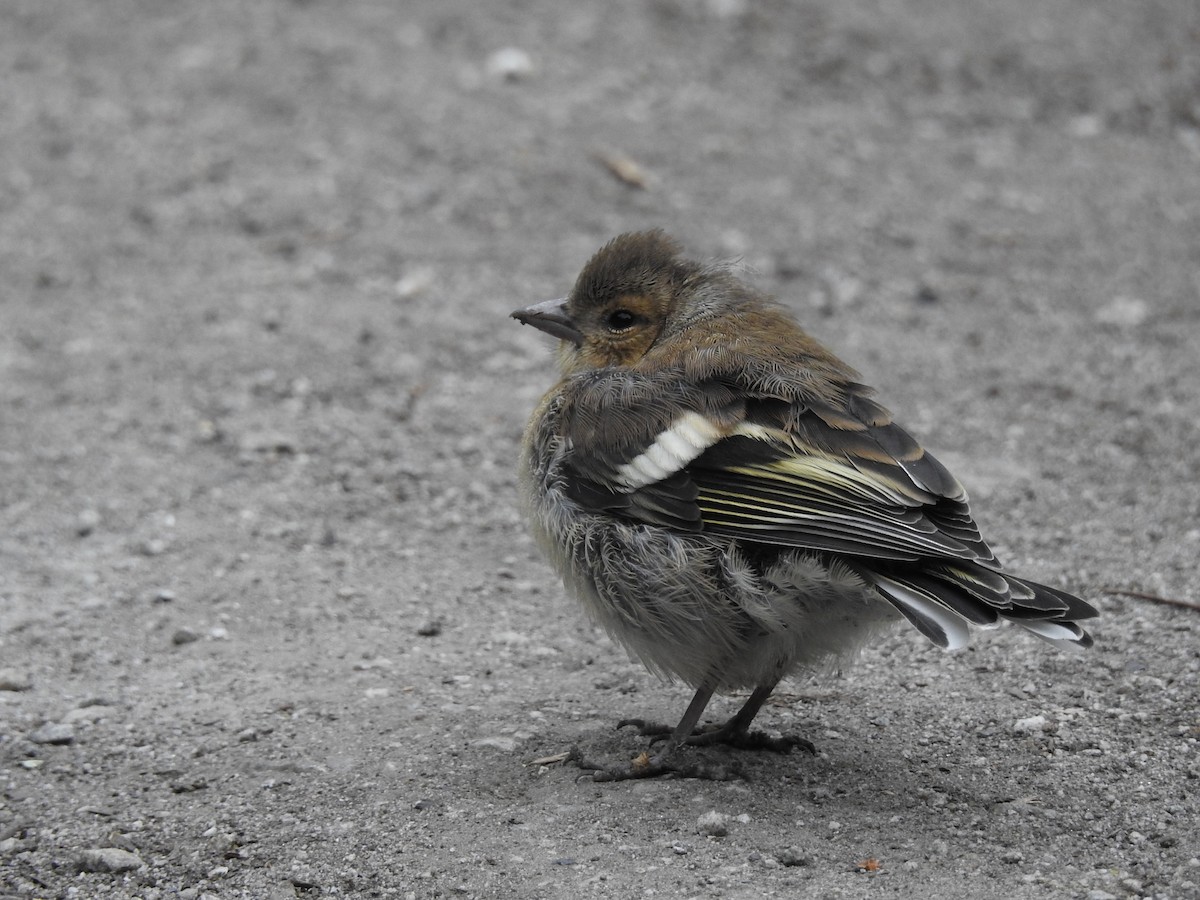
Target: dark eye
(620,320)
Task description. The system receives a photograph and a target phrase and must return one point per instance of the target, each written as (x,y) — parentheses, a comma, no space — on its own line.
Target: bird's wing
(838,478)
(849,480)
(845,479)
(629,441)
(711,458)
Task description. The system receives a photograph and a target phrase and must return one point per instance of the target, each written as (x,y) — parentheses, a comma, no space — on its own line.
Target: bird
(731,504)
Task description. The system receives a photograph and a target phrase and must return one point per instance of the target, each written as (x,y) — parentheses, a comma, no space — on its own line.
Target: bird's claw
(646,766)
(709,735)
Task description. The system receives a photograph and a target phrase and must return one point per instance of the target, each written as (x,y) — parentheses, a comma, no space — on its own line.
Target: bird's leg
(735,732)
(687,725)
(646,766)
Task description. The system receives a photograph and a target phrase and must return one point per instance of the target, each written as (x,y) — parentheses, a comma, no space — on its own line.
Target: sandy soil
(270,624)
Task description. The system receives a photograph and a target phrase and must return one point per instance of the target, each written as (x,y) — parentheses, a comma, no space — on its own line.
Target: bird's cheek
(637,346)
(568,356)
(595,355)
(573,360)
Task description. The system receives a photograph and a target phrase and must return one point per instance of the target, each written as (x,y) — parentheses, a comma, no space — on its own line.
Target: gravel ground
(270,624)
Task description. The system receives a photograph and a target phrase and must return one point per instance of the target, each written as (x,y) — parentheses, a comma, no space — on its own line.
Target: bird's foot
(727,734)
(646,766)
(750,740)
(656,731)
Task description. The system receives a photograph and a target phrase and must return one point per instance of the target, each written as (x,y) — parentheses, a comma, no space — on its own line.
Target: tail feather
(1075,608)
(943,600)
(932,618)
(953,597)
(1060,634)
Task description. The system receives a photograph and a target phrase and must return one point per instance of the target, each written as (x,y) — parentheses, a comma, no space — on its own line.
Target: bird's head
(635,288)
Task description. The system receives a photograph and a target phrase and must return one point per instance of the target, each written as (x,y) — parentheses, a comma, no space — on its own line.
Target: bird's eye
(620,320)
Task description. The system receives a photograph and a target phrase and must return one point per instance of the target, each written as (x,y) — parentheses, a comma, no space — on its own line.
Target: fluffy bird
(730,503)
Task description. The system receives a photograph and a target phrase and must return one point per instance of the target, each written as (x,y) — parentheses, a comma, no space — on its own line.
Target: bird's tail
(943,599)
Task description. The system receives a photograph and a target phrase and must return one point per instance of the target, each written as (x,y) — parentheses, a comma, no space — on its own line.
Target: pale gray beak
(551,317)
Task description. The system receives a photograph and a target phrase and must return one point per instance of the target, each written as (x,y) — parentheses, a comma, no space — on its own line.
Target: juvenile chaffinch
(729,502)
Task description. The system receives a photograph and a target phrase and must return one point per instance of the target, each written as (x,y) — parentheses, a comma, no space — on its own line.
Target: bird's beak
(551,317)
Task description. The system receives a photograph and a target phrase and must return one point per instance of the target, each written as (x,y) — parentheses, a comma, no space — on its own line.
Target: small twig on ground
(1154,598)
(550,760)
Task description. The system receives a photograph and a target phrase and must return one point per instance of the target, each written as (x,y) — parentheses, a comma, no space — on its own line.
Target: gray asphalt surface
(270,624)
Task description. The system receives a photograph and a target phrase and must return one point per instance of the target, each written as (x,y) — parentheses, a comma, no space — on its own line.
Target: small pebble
(184,636)
(713,823)
(501,743)
(1031,725)
(268,442)
(93,713)
(415,282)
(431,628)
(510,64)
(791,856)
(109,859)
(86,522)
(57,733)
(12,680)
(188,785)
(1123,312)
(1012,856)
